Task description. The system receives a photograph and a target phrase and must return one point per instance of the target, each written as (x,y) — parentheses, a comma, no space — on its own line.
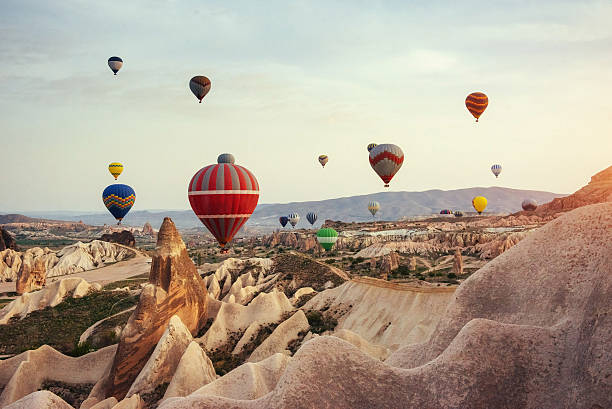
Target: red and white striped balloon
(223,197)
(386,159)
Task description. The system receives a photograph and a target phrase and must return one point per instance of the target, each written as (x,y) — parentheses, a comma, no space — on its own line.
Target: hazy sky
(292,80)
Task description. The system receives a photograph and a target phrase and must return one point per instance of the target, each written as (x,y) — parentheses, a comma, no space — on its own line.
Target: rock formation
(531,329)
(194,371)
(457,263)
(413,263)
(147,230)
(7,241)
(40,400)
(124,237)
(32,275)
(49,296)
(174,288)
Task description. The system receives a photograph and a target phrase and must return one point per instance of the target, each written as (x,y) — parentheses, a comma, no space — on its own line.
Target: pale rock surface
(232,317)
(105,404)
(383,312)
(300,293)
(25,373)
(174,288)
(193,371)
(279,339)
(49,296)
(133,402)
(40,400)
(531,329)
(165,358)
(248,381)
(457,263)
(375,351)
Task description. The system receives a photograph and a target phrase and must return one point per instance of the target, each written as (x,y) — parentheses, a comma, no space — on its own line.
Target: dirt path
(121,270)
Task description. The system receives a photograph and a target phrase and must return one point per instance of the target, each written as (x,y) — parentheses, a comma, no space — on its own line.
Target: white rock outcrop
(40,400)
(281,337)
(193,371)
(49,296)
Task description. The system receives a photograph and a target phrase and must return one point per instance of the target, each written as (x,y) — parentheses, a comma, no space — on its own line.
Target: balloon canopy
(476,103)
(115,169)
(223,197)
(323,160)
(529,205)
(496,169)
(327,237)
(371,146)
(386,159)
(479,203)
(115,64)
(373,207)
(446,211)
(199,85)
(283,220)
(118,199)
(312,218)
(294,218)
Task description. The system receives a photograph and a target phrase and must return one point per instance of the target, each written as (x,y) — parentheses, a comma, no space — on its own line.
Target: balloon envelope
(371,146)
(446,211)
(529,205)
(479,203)
(283,220)
(386,159)
(323,160)
(476,103)
(223,197)
(294,218)
(312,218)
(496,169)
(199,85)
(118,199)
(115,169)
(373,207)
(327,238)
(458,214)
(115,64)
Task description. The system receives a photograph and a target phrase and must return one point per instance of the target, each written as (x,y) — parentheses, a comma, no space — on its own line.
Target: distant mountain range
(393,206)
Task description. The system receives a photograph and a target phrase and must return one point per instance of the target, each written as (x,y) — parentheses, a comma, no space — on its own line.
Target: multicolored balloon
(446,211)
(283,220)
(323,160)
(373,207)
(312,218)
(386,159)
(458,213)
(529,205)
(199,85)
(118,199)
(294,218)
(371,146)
(476,103)
(496,169)
(479,203)
(115,64)
(223,197)
(327,237)
(115,169)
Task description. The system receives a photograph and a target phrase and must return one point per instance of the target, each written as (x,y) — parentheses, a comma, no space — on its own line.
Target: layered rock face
(7,241)
(174,288)
(124,237)
(598,190)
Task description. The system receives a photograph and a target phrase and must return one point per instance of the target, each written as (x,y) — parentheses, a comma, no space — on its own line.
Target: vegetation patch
(73,394)
(298,270)
(152,398)
(321,322)
(62,325)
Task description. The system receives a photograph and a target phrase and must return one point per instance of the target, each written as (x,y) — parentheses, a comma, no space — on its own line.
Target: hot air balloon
(294,218)
(312,218)
(458,213)
(115,169)
(476,103)
(199,85)
(386,159)
(529,205)
(323,160)
(115,64)
(118,199)
(446,211)
(223,197)
(373,207)
(327,238)
(371,146)
(496,169)
(479,203)
(283,220)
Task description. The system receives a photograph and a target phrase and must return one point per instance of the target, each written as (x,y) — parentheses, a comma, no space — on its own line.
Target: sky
(291,81)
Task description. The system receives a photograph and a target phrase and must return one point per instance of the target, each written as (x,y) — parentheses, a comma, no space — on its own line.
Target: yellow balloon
(479,203)
(115,169)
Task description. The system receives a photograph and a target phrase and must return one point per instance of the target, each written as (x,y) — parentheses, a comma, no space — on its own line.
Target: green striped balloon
(327,237)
